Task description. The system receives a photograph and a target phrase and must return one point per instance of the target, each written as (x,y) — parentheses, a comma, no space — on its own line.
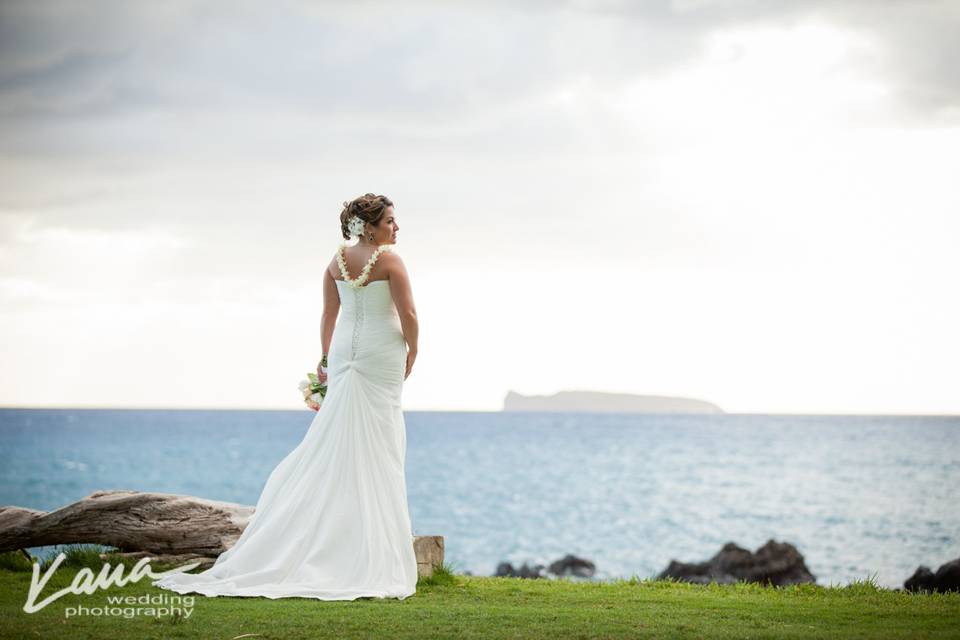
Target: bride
(332,522)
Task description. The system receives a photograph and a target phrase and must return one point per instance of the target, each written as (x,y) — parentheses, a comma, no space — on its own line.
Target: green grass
(450,605)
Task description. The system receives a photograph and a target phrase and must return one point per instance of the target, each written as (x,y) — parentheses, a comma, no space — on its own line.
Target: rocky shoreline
(774,564)
(175,529)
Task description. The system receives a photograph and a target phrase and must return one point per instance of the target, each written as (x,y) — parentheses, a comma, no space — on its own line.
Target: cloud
(916,40)
(171,176)
(411,65)
(51,265)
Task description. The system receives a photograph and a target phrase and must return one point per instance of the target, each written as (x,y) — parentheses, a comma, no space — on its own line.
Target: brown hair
(369,207)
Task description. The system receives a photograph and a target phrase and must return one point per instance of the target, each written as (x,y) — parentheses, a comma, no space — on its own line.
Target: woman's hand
(322,370)
(411,356)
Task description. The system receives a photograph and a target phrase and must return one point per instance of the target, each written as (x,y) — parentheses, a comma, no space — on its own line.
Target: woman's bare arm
(331,309)
(403,298)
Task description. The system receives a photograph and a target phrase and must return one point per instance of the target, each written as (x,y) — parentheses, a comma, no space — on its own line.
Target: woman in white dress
(332,521)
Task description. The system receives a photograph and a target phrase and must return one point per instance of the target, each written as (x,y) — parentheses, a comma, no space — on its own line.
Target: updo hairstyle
(369,207)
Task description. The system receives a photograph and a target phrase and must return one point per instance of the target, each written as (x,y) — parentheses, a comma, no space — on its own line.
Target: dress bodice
(373,298)
(368,315)
(367,312)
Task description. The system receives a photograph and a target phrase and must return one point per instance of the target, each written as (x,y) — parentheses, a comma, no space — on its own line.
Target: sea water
(859,496)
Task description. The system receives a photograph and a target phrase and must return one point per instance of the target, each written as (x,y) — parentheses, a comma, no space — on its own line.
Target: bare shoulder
(392,262)
(333,268)
(393,266)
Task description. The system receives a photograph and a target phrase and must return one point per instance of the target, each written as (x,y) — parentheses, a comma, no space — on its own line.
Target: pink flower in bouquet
(313,391)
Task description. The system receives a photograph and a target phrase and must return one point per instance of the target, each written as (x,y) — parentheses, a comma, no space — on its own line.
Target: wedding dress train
(332,521)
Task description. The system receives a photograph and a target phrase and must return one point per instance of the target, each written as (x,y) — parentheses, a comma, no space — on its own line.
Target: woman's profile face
(386,230)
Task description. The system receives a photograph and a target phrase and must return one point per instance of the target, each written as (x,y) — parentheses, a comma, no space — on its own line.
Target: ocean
(859,496)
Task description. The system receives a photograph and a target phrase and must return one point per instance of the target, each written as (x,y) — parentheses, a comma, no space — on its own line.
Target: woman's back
(355,259)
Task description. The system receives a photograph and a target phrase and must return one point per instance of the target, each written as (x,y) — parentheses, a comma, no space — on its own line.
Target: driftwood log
(172,528)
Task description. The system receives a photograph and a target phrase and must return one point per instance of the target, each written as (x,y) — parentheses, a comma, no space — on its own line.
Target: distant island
(601,401)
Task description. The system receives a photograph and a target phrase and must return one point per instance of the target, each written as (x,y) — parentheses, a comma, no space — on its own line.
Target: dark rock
(572,565)
(774,564)
(922,579)
(947,578)
(505,569)
(569,565)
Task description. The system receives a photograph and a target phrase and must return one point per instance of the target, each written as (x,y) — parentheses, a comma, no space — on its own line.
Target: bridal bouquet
(313,391)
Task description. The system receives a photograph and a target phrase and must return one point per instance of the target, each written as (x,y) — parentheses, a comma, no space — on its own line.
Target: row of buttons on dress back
(358,320)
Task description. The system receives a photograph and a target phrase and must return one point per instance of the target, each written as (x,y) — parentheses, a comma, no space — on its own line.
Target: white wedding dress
(332,521)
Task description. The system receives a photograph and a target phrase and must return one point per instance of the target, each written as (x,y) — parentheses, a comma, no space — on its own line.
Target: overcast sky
(749,202)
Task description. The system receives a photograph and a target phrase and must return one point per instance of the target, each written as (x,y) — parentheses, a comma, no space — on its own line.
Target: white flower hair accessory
(355,226)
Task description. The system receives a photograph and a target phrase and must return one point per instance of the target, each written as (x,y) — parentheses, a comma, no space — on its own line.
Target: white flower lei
(355,226)
(362,278)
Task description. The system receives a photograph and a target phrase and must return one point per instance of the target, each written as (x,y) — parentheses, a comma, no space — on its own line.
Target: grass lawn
(458,606)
